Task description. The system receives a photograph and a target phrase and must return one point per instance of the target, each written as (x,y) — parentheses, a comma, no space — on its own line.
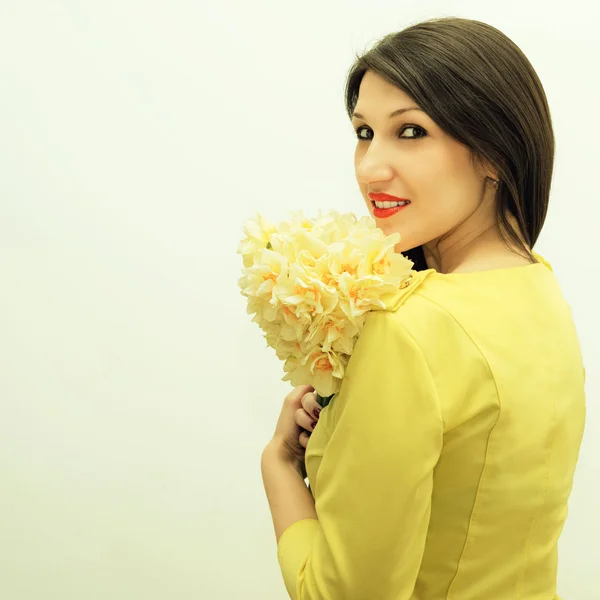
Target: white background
(136,396)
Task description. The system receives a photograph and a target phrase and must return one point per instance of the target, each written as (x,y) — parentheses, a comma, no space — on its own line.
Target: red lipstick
(383,213)
(381,196)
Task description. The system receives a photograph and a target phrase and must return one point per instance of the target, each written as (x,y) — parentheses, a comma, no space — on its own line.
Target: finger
(303,439)
(304,420)
(296,394)
(310,404)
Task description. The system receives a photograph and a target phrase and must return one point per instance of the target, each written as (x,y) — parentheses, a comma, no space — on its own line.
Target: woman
(443,467)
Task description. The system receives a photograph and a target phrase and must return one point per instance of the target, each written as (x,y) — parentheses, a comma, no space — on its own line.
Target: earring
(495,182)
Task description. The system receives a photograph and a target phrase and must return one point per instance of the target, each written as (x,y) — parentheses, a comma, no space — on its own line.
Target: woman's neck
(474,248)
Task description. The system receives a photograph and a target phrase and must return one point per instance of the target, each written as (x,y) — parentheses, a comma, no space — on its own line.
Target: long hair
(480,88)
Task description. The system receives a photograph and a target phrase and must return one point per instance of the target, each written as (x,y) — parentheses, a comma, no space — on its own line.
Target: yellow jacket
(443,467)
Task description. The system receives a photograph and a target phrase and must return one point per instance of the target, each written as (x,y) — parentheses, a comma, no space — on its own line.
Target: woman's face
(408,156)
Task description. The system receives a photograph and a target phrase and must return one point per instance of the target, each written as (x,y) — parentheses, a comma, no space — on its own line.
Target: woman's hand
(307,417)
(298,418)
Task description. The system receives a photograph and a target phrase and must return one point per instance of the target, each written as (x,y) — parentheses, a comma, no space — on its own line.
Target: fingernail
(316,412)
(314,424)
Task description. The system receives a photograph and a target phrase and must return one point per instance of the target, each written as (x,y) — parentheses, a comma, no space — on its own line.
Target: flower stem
(324,400)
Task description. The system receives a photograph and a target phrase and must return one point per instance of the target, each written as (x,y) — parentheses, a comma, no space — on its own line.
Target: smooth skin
(282,461)
(409,156)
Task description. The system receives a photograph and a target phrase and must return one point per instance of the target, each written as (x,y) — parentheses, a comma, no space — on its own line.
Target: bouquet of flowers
(310,284)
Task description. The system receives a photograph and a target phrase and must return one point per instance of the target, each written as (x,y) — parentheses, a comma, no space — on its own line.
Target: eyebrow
(392,114)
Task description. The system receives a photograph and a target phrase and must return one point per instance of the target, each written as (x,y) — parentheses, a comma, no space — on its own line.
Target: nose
(372,167)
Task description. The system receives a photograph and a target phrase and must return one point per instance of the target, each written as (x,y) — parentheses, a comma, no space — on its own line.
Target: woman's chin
(402,248)
(403,245)
(406,243)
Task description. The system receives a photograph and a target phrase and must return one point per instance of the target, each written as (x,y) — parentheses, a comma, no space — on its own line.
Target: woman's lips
(383,213)
(380,196)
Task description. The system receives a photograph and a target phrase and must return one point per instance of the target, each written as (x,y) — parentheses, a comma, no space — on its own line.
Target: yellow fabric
(442,468)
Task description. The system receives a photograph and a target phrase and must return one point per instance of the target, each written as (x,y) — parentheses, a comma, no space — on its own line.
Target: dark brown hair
(480,88)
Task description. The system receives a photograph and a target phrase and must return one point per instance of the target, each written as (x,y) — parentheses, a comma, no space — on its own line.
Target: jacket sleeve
(374,485)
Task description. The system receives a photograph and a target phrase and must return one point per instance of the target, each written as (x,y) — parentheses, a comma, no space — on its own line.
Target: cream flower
(324,370)
(258,233)
(311,282)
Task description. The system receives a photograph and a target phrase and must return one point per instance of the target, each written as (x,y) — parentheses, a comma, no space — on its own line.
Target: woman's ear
(485,168)
(490,172)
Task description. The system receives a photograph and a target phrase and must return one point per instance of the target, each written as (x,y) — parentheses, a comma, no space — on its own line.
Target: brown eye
(418,132)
